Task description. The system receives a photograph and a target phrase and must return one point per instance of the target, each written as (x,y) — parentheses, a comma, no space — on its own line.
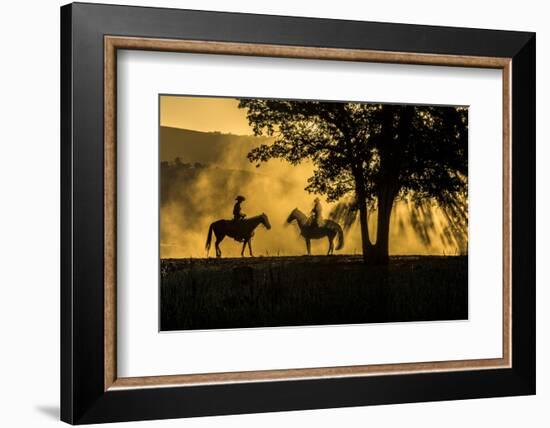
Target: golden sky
(205,114)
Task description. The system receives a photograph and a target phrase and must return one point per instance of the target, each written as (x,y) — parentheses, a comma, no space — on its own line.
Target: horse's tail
(209,238)
(340,237)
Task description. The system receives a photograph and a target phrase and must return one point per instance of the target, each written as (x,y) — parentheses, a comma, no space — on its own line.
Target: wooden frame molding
(113,43)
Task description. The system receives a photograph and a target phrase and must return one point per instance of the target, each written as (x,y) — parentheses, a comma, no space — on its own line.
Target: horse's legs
(250,247)
(308,246)
(330,246)
(219,239)
(244,246)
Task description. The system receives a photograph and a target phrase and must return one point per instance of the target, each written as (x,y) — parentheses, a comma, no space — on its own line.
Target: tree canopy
(373,152)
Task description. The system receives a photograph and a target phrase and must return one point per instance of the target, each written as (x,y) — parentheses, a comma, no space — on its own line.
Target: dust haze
(203,170)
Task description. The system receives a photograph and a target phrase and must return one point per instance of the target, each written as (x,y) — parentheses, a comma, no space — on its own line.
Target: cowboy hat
(240,198)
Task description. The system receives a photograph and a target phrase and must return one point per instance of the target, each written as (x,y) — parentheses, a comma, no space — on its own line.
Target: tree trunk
(380,253)
(361,196)
(388,179)
(364,223)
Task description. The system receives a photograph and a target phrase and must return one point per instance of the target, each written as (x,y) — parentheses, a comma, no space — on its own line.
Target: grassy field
(291,291)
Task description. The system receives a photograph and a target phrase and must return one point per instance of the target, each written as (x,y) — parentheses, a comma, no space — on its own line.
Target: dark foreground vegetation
(292,291)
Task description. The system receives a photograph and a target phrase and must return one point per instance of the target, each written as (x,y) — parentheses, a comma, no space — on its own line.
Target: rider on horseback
(237,212)
(316,214)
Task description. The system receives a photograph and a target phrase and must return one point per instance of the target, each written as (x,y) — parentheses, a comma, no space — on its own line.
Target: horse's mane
(262,215)
(299,213)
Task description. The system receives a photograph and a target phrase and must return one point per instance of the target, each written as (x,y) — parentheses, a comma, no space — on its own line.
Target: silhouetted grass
(291,291)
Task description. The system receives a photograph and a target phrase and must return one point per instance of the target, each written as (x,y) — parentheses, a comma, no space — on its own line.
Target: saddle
(234,231)
(315,224)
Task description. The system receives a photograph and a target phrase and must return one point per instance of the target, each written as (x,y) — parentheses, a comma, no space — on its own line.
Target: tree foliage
(372,152)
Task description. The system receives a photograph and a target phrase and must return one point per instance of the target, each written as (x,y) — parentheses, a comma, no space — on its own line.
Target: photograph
(290,212)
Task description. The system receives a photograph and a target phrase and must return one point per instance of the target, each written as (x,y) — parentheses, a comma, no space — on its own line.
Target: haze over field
(204,166)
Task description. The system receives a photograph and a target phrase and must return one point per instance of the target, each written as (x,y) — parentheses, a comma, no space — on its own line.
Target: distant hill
(206,147)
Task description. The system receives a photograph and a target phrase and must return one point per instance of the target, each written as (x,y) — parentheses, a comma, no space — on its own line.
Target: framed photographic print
(265,213)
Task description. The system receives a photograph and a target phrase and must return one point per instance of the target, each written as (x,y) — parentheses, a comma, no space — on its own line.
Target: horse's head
(265,221)
(291,216)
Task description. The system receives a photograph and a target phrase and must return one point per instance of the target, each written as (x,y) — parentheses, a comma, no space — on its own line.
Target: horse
(239,230)
(329,228)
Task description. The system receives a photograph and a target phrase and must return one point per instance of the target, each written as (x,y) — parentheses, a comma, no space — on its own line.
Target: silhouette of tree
(373,152)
